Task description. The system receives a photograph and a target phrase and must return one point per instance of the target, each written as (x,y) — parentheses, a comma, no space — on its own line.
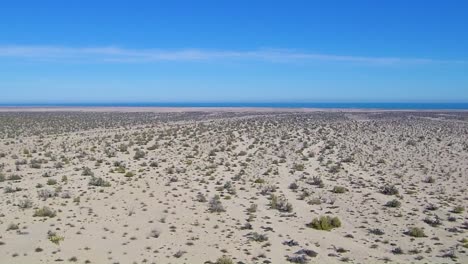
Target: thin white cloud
(122,55)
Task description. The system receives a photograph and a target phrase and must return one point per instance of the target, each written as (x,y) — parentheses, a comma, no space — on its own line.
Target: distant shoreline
(160,109)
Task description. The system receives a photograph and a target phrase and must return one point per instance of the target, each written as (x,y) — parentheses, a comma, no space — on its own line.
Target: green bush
(325,223)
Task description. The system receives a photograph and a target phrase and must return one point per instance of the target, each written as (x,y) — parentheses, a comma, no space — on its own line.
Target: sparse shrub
(201,198)
(268,189)
(12,226)
(44,212)
(298,167)
(98,181)
(393,203)
(24,204)
(87,172)
(301,259)
(119,169)
(252,208)
(224,260)
(376,231)
(397,251)
(317,181)
(416,232)
(10,189)
(259,180)
(155,233)
(254,236)
(434,222)
(51,182)
(389,190)
(280,204)
(14,177)
(179,254)
(44,194)
(293,186)
(429,179)
(54,238)
(129,174)
(325,223)
(215,205)
(334,169)
(139,154)
(339,189)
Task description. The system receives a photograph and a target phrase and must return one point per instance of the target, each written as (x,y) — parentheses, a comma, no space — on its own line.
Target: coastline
(162,109)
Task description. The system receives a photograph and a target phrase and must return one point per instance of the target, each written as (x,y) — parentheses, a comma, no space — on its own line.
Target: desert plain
(233,186)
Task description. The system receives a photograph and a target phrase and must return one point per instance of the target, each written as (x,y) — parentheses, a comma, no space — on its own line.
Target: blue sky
(265,51)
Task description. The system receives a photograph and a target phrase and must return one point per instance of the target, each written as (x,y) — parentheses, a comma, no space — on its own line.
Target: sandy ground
(230,186)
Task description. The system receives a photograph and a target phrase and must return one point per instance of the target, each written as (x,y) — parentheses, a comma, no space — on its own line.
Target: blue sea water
(325,105)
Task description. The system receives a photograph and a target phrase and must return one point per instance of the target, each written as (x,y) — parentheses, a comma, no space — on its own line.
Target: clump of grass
(458,209)
(44,212)
(326,223)
(416,232)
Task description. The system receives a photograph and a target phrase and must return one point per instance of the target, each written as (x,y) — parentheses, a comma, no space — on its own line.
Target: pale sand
(237,156)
